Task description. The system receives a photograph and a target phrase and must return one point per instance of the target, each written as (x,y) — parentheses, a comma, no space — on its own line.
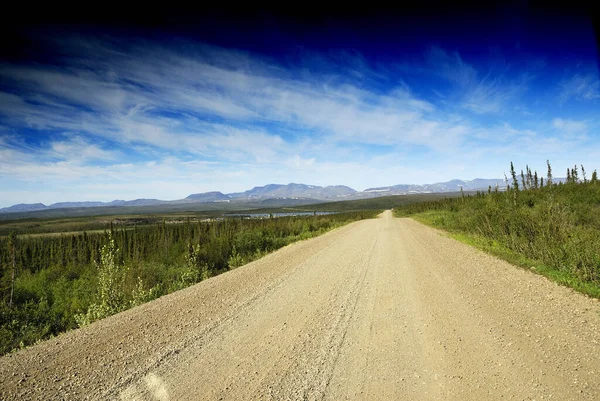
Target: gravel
(379,309)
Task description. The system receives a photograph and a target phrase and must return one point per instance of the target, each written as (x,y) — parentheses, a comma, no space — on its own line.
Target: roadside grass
(377,203)
(553,228)
(494,248)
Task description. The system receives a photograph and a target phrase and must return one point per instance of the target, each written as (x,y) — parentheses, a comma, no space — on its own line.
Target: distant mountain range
(296,191)
(277,191)
(477,184)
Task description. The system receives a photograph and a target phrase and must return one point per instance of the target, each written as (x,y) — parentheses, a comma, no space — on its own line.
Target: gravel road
(380,309)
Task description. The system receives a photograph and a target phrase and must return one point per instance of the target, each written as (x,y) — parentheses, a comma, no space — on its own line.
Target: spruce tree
(12,249)
(514,177)
(549,176)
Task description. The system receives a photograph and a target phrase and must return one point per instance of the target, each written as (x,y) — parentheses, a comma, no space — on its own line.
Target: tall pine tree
(514,177)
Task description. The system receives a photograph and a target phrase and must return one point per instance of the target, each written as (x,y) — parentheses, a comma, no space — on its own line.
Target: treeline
(40,226)
(553,224)
(50,284)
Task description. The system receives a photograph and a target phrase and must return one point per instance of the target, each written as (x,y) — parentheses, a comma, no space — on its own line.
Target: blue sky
(107,113)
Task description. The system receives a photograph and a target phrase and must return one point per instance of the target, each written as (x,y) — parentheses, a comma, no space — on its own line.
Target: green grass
(383,202)
(555,230)
(493,247)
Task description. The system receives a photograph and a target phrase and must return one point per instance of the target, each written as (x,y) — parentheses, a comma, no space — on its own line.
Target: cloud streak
(134,119)
(580,87)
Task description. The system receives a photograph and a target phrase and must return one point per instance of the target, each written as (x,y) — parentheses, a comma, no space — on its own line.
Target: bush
(110,298)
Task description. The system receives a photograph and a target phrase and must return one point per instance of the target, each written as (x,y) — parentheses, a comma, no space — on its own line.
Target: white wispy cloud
(569,126)
(481,91)
(452,67)
(130,101)
(581,87)
(143,119)
(78,149)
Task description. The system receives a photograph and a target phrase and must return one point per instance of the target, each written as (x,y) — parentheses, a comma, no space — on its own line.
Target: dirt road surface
(383,309)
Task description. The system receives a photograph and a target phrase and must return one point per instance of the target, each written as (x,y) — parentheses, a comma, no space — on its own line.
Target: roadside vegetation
(50,284)
(537,223)
(381,202)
